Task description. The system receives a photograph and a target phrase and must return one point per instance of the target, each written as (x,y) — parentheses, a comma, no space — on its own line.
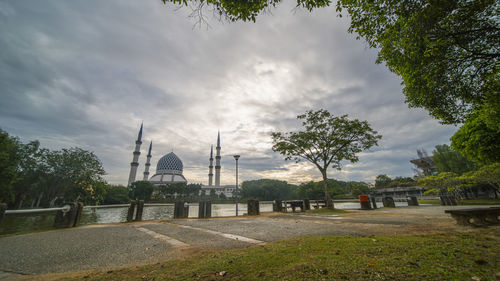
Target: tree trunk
(328,198)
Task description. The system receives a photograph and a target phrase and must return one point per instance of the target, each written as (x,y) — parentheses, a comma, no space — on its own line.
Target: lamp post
(236,157)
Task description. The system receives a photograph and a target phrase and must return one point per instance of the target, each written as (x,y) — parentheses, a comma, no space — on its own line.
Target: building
(169,169)
(227,190)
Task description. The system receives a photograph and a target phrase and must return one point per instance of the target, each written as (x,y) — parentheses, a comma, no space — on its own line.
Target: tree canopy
(446,52)
(477,140)
(268,189)
(447,160)
(326,141)
(40,176)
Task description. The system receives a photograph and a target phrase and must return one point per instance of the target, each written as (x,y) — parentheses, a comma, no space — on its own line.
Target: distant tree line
(268,189)
(31,176)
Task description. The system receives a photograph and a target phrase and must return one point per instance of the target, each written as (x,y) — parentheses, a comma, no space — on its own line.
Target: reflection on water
(18,223)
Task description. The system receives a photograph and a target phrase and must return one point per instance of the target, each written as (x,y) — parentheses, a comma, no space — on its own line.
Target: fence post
(140,208)
(374,202)
(3,207)
(412,201)
(66,217)
(253,207)
(277,205)
(131,209)
(307,204)
(181,209)
(205,209)
(79,211)
(388,202)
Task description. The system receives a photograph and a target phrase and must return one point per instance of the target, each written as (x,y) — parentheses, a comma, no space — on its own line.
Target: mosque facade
(169,169)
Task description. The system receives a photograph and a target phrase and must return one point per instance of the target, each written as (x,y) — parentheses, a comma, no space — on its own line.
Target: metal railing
(64,208)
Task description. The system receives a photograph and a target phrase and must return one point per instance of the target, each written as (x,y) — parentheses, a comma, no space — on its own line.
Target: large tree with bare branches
(326,141)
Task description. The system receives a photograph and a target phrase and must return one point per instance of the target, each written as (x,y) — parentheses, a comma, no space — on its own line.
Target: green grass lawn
(463,202)
(458,256)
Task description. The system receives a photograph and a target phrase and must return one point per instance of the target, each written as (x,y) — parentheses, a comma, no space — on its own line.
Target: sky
(88,73)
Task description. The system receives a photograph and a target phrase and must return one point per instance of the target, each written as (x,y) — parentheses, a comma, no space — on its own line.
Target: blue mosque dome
(168,170)
(169,163)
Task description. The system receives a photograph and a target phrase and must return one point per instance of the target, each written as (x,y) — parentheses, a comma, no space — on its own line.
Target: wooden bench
(293,204)
(476,216)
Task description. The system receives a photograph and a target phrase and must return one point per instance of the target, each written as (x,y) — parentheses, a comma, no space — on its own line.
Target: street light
(236,157)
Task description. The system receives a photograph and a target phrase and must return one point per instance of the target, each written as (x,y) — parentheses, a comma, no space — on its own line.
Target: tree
(116,194)
(266,190)
(488,175)
(446,52)
(442,183)
(9,162)
(73,174)
(242,10)
(478,140)
(382,181)
(325,142)
(447,160)
(141,190)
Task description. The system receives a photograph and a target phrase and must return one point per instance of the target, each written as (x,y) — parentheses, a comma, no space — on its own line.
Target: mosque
(169,169)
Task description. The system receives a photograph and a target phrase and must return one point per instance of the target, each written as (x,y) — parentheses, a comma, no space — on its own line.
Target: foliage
(441,183)
(141,190)
(382,181)
(243,10)
(477,139)
(267,190)
(9,161)
(445,51)
(325,142)
(447,160)
(179,189)
(73,174)
(29,173)
(488,174)
(116,194)
(315,190)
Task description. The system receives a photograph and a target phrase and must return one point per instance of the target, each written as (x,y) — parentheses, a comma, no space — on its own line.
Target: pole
(236,157)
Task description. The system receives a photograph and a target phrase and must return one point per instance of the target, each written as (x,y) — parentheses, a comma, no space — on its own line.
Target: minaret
(217,162)
(210,168)
(146,169)
(134,164)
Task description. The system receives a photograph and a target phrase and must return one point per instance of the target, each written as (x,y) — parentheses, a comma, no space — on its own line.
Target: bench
(476,216)
(318,204)
(293,204)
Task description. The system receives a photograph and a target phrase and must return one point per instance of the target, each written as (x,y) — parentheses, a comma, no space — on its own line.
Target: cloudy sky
(87,73)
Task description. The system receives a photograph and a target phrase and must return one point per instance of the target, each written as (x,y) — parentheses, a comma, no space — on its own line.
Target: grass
(458,256)
(463,202)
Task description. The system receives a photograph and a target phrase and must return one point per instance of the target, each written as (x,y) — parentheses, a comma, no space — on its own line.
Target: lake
(19,223)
